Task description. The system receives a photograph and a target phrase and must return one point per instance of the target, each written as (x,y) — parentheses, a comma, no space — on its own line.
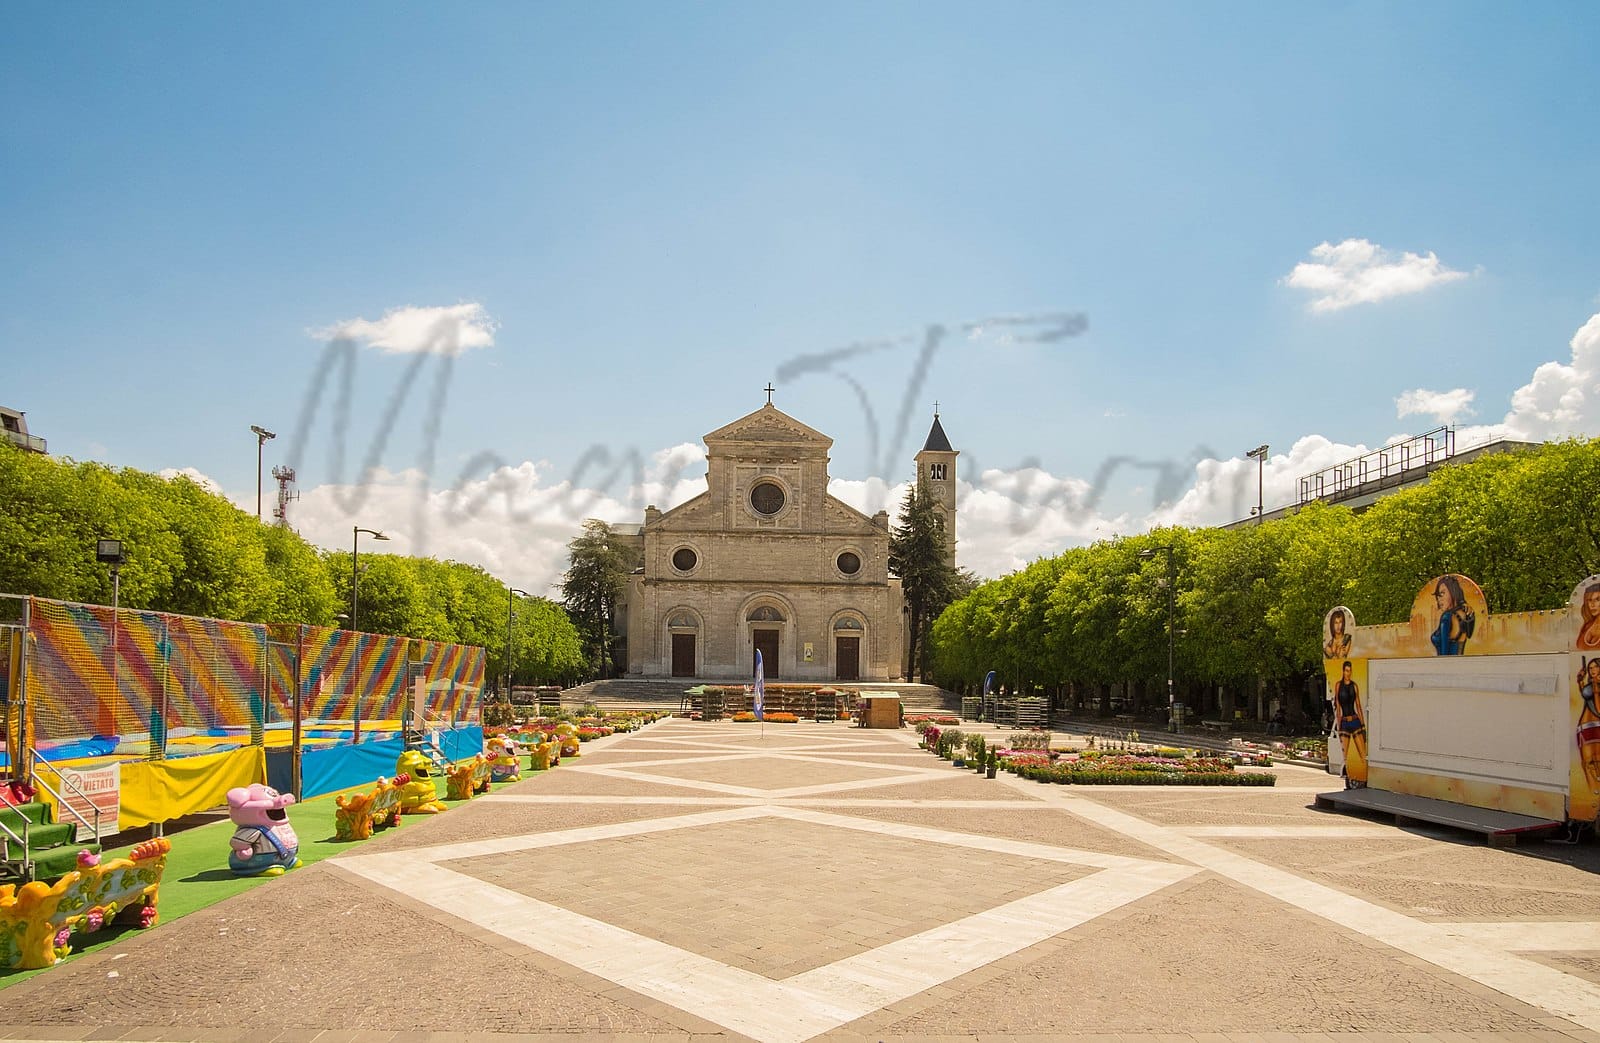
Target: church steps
(667,693)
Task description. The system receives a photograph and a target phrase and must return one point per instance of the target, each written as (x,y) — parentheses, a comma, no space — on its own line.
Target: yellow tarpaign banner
(156,791)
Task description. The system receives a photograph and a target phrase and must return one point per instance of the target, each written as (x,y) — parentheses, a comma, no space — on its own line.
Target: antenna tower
(284,476)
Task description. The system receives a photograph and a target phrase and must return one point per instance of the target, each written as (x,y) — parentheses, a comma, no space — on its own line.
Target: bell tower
(936,470)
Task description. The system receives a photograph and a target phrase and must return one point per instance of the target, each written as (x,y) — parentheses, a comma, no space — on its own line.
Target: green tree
(301,590)
(1314,575)
(927,579)
(597,570)
(548,647)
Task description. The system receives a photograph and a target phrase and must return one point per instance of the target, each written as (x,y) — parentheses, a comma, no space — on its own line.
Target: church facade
(766,559)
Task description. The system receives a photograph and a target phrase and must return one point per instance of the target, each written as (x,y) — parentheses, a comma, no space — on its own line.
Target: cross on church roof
(936,409)
(769,389)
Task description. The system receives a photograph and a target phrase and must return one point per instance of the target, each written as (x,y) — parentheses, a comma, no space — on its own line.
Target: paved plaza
(789,882)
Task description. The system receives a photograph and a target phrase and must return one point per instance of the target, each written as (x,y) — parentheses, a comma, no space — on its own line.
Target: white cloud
(410,330)
(516,520)
(202,480)
(1446,407)
(1226,490)
(1562,400)
(1358,271)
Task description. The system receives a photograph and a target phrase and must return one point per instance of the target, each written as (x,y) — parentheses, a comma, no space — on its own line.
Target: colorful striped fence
(136,676)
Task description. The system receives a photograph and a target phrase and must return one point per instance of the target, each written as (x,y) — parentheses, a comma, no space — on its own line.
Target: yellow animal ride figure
(567,734)
(361,813)
(541,755)
(464,778)
(502,753)
(417,793)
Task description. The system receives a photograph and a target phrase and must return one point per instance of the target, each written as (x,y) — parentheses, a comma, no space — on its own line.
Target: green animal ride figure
(418,796)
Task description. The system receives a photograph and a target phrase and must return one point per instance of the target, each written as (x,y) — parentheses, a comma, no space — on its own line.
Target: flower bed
(748,716)
(1141,771)
(1310,749)
(1011,760)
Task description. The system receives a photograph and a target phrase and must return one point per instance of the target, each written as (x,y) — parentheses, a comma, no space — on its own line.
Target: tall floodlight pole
(262,434)
(511,593)
(1172,594)
(110,552)
(1259,455)
(355,573)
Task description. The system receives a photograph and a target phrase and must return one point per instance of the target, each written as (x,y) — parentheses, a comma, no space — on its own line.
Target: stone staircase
(666,693)
(49,850)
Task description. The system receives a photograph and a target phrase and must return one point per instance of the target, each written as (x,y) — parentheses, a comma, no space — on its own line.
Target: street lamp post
(511,593)
(355,574)
(1172,593)
(262,434)
(1259,455)
(110,552)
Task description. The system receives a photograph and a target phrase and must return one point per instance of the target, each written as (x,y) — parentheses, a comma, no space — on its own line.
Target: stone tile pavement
(717,881)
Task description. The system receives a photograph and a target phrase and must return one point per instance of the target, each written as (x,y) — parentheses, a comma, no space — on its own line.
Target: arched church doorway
(685,631)
(847,649)
(766,624)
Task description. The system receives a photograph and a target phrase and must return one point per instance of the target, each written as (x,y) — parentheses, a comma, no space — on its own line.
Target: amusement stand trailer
(1478,721)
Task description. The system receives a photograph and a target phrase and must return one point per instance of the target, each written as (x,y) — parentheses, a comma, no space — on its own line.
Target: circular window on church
(767,498)
(848,563)
(684,559)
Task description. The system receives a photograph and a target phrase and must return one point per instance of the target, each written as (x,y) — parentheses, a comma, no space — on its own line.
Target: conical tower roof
(937,442)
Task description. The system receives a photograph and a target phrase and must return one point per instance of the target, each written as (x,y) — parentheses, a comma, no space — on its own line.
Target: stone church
(766,559)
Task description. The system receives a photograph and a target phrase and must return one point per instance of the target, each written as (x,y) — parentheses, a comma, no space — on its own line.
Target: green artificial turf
(197,873)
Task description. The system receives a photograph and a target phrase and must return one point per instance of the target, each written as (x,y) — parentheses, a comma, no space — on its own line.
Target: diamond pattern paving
(770,773)
(772,896)
(838,884)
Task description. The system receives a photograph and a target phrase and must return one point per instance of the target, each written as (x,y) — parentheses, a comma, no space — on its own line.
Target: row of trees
(1250,601)
(192,552)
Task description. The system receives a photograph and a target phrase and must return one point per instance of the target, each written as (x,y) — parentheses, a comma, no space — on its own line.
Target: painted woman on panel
(1352,726)
(1338,644)
(1589,721)
(1456,618)
(1589,631)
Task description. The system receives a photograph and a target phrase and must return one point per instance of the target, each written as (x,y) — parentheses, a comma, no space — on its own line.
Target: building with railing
(15,426)
(1361,481)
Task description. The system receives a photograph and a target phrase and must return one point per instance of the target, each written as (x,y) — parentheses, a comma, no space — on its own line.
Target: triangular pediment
(841,517)
(769,424)
(688,513)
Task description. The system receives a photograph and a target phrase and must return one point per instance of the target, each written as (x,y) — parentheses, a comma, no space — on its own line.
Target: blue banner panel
(461,742)
(280,768)
(328,769)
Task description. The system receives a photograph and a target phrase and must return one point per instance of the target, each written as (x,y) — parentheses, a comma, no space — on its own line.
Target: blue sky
(653,207)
